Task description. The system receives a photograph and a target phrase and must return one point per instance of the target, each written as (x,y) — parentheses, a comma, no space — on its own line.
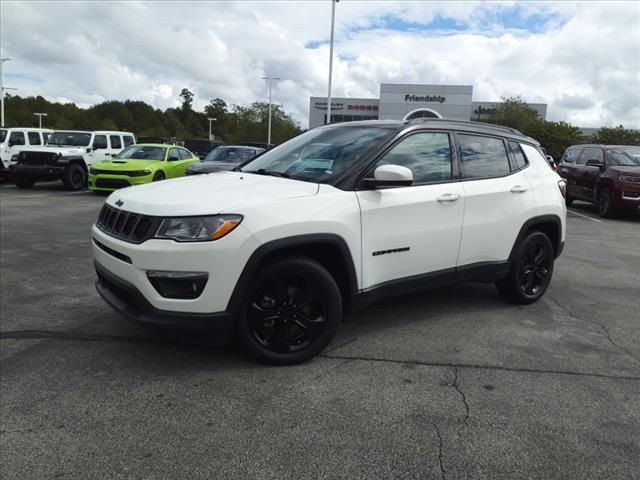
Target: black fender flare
(554,219)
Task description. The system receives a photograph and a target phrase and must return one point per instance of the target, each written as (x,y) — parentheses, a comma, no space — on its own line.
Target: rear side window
(519,160)
(128,140)
(427,155)
(115,141)
(571,155)
(100,142)
(34,138)
(483,157)
(17,138)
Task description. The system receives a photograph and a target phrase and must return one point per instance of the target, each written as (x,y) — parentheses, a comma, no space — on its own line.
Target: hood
(126,165)
(59,150)
(208,167)
(221,192)
(626,169)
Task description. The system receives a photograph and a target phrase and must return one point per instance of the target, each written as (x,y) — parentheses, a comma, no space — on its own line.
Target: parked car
(139,164)
(14,140)
(263,145)
(68,156)
(605,175)
(224,158)
(201,147)
(276,251)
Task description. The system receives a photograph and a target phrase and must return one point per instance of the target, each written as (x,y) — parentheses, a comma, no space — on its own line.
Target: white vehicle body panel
(6,151)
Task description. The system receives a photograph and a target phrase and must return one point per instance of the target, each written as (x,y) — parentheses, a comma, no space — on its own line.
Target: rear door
(414,230)
(499,199)
(567,170)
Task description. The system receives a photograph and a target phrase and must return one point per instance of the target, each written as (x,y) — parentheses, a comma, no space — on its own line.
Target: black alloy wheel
(75,177)
(158,176)
(531,270)
(605,203)
(291,312)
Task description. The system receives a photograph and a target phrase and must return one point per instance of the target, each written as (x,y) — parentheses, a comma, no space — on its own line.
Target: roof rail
(466,122)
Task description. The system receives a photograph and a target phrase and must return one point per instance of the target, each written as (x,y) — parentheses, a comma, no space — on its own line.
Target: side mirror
(389,176)
(595,163)
(10,144)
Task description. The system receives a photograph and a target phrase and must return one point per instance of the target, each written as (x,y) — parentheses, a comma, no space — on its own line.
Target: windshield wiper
(273,173)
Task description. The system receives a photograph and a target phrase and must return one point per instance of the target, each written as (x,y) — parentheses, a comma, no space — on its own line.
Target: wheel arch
(330,250)
(550,225)
(77,160)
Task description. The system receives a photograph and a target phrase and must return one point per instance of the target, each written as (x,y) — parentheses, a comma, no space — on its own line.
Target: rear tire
(75,177)
(531,270)
(290,313)
(605,203)
(23,181)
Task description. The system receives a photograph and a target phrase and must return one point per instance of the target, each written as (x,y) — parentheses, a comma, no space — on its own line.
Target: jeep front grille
(38,158)
(127,226)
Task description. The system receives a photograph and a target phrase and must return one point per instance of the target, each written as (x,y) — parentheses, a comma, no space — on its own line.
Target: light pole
(2,89)
(40,115)
(269,127)
(211,120)
(333,21)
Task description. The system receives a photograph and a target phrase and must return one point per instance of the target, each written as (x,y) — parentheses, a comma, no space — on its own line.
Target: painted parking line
(584,216)
(79,191)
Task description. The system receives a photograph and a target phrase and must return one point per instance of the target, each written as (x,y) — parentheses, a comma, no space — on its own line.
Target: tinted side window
(34,138)
(519,159)
(115,141)
(571,155)
(128,140)
(586,155)
(427,155)
(184,154)
(597,155)
(483,157)
(100,141)
(45,136)
(17,138)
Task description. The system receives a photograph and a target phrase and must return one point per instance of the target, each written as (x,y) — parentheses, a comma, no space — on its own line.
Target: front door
(414,230)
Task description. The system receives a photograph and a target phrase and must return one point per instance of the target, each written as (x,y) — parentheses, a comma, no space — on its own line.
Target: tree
(512,112)
(187,99)
(616,136)
(555,137)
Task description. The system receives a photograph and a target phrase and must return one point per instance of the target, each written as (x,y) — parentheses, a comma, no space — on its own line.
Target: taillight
(562,185)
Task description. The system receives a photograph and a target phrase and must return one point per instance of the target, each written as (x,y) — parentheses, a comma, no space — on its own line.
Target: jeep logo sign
(425,98)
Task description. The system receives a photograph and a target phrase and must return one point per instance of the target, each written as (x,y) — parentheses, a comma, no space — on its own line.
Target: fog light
(180,285)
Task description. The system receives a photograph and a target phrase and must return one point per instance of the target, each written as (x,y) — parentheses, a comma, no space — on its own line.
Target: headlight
(139,173)
(16,157)
(628,179)
(198,229)
(93,171)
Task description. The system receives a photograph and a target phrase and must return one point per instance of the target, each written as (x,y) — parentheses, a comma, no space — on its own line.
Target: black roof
(437,123)
(599,145)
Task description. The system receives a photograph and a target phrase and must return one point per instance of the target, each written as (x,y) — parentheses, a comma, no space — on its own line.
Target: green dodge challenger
(138,164)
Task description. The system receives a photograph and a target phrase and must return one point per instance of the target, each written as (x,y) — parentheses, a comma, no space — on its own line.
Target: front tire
(75,177)
(158,176)
(23,181)
(531,270)
(605,203)
(290,312)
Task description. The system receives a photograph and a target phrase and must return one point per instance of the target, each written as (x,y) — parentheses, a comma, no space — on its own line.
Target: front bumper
(53,171)
(108,183)
(627,195)
(129,302)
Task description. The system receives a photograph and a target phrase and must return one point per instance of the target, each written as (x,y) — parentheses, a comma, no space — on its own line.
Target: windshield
(229,155)
(70,139)
(3,135)
(142,152)
(320,155)
(624,157)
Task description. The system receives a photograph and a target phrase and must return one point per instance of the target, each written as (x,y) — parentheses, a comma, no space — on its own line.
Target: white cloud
(583,61)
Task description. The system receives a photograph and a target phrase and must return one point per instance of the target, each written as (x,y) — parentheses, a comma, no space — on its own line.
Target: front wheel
(605,203)
(290,313)
(158,176)
(531,270)
(75,177)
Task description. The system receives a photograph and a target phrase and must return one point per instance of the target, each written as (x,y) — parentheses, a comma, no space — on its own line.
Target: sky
(580,58)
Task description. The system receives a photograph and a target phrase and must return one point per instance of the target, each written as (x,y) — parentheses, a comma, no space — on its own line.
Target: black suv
(606,175)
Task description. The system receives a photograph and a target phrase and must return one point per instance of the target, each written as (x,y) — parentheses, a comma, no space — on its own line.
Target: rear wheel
(75,177)
(23,181)
(158,176)
(605,203)
(290,313)
(531,270)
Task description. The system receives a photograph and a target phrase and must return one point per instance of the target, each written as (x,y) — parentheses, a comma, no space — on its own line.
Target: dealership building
(400,100)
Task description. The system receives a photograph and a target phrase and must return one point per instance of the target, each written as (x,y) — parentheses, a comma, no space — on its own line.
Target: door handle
(448,197)
(518,189)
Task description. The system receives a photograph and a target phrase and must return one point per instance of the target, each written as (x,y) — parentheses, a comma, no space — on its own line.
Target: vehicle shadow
(592,211)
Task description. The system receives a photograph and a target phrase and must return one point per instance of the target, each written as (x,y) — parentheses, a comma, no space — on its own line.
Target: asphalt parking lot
(449,384)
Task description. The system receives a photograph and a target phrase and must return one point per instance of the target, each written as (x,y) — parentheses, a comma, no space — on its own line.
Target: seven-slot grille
(131,227)
(38,158)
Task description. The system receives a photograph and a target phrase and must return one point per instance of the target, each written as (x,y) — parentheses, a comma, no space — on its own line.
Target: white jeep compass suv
(337,217)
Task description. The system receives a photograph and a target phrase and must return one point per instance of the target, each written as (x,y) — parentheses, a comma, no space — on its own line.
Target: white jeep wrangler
(15,139)
(277,250)
(67,156)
